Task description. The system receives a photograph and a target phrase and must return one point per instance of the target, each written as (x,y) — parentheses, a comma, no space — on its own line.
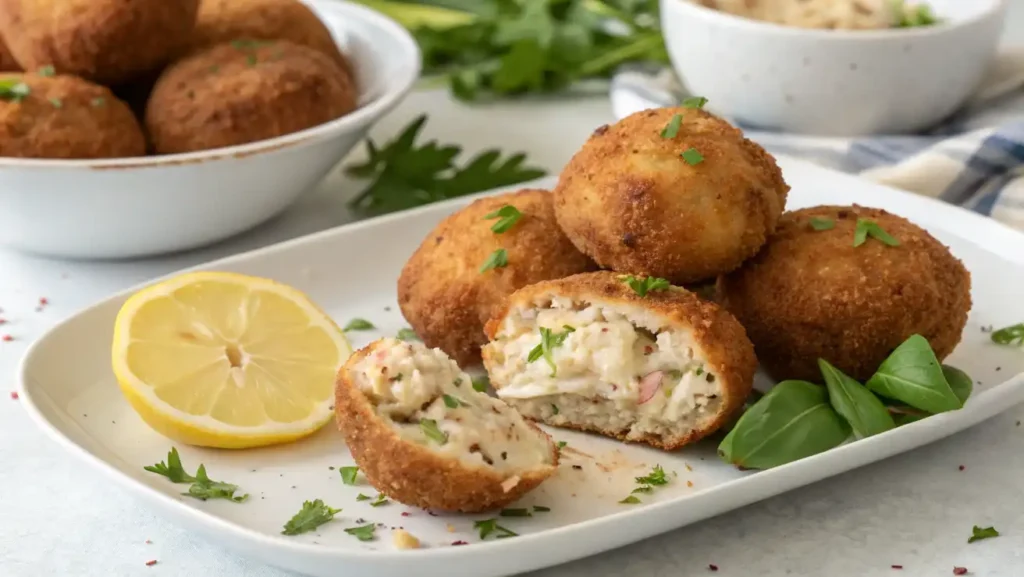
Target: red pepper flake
(959,570)
(14,395)
(454,543)
(150,563)
(148,542)
(648,350)
(7,338)
(897,566)
(405,513)
(3,321)
(44,301)
(961,467)
(713,567)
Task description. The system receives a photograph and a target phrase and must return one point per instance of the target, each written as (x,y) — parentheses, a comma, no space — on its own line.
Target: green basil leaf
(912,374)
(859,406)
(959,381)
(791,422)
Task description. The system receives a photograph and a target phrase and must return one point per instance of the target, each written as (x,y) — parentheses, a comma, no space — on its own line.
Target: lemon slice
(225,360)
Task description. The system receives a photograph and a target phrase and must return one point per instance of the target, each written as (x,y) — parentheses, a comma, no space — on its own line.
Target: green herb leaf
(362,532)
(672,128)
(644,285)
(869,228)
(359,325)
(98,102)
(630,500)
(959,381)
(692,157)
(204,488)
(859,406)
(172,469)
(792,421)
(562,444)
(655,477)
(498,259)
(453,403)
(549,340)
(46,71)
(694,102)
(348,475)
(507,216)
(380,500)
(914,376)
(480,384)
(406,174)
(644,489)
(820,223)
(407,334)
(312,515)
(13,90)
(491,526)
(57,102)
(979,533)
(515,513)
(1013,335)
(362,497)
(541,509)
(554,408)
(430,429)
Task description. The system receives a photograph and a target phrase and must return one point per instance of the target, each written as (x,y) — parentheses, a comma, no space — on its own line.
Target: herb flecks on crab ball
(675,193)
(245,91)
(846,284)
(631,358)
(424,437)
(474,259)
(107,41)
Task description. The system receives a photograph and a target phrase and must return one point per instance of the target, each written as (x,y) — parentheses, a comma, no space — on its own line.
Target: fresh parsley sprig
(821,223)
(13,90)
(979,533)
(869,228)
(549,340)
(362,532)
(491,526)
(1012,335)
(507,216)
(202,487)
(312,515)
(406,174)
(642,286)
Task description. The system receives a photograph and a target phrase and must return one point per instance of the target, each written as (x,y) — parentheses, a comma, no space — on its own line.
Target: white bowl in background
(833,82)
(133,207)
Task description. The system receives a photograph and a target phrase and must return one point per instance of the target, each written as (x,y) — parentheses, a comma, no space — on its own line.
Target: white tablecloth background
(58,518)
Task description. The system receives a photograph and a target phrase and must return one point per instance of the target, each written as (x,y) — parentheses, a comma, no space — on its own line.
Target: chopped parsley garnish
(541,509)
(429,428)
(46,71)
(498,259)
(312,515)
(672,128)
(548,341)
(915,16)
(362,497)
(453,402)
(407,335)
(979,533)
(57,102)
(515,513)
(869,228)
(695,102)
(630,500)
(507,216)
(251,60)
(699,371)
(692,156)
(380,500)
(249,44)
(554,408)
(13,91)
(480,384)
(648,284)
(656,477)
(359,325)
(644,489)
(348,475)
(202,487)
(820,223)
(1013,335)
(362,532)
(98,102)
(491,526)
(562,444)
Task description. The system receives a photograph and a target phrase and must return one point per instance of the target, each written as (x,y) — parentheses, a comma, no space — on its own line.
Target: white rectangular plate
(351,271)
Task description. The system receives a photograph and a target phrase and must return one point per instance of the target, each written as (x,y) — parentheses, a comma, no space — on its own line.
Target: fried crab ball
(821,290)
(108,41)
(65,117)
(242,92)
(7,62)
(464,268)
(425,438)
(588,352)
(221,21)
(675,193)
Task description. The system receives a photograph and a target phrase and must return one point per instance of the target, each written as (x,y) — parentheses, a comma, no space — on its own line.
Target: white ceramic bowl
(832,82)
(144,206)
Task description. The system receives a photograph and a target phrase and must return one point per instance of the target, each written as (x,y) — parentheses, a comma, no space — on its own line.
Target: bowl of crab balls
(132,129)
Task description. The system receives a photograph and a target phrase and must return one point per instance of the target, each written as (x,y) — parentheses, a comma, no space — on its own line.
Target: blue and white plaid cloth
(974,159)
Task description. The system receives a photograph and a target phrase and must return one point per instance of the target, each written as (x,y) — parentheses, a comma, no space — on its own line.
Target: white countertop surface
(58,518)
